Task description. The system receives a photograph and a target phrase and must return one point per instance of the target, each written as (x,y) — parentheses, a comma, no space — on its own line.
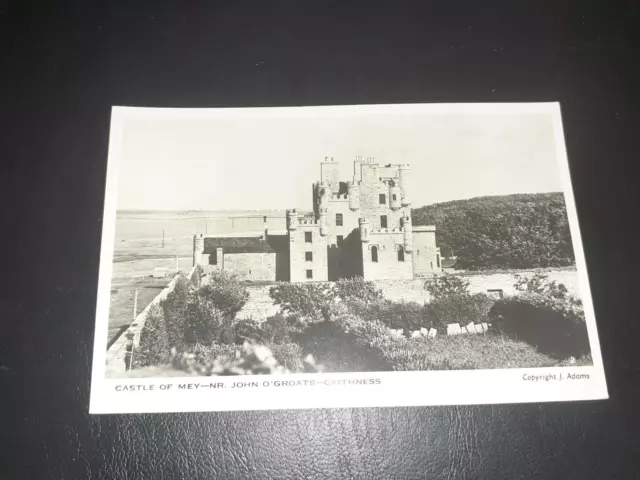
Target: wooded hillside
(510,231)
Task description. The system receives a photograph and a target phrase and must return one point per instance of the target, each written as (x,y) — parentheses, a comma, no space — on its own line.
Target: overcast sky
(213,164)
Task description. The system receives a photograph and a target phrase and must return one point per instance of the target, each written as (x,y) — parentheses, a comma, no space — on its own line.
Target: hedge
(556,327)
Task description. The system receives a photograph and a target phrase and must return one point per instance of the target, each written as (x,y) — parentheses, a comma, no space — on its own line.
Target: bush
(357,289)
(541,285)
(216,351)
(556,327)
(250,359)
(289,355)
(307,301)
(175,310)
(196,275)
(212,307)
(154,348)
(343,345)
(457,309)
(446,285)
(407,316)
(224,293)
(274,330)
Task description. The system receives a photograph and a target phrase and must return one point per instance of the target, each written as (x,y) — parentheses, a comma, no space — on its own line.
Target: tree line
(509,231)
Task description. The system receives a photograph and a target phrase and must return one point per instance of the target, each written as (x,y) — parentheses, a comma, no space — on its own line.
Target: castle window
(383,221)
(309,274)
(438,260)
(307,237)
(339,239)
(308,256)
(400,253)
(338,219)
(394,197)
(382,198)
(374,254)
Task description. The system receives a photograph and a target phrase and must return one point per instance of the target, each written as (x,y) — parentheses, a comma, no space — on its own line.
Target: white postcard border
(146,395)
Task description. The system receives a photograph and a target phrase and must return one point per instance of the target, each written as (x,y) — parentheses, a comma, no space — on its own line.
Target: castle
(358,228)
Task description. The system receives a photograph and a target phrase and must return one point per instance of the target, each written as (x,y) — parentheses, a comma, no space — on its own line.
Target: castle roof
(235,244)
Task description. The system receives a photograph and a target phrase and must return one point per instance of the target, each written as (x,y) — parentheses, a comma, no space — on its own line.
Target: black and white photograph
(309,257)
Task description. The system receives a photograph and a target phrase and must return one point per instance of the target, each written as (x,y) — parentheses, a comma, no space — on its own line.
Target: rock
(454,329)
(424,332)
(432,333)
(471,328)
(479,328)
(416,334)
(485,326)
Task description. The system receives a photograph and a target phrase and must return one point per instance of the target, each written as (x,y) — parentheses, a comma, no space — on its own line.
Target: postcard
(341,256)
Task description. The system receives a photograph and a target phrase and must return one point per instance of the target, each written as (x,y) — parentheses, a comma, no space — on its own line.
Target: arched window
(374,254)
(400,253)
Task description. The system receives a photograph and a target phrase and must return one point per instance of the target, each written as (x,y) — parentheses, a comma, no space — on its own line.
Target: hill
(510,231)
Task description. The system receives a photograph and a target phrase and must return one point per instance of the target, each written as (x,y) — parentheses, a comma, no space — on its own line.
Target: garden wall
(115,364)
(413,290)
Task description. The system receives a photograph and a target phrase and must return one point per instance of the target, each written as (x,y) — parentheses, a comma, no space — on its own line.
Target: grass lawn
(463,352)
(122,299)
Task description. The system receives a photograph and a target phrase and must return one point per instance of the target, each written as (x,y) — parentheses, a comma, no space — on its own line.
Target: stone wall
(251,266)
(413,290)
(115,364)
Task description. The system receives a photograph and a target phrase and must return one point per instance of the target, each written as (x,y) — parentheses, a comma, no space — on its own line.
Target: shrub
(446,285)
(154,348)
(357,289)
(407,316)
(274,330)
(343,345)
(250,330)
(308,301)
(224,292)
(540,284)
(212,307)
(175,310)
(556,327)
(251,359)
(457,309)
(289,355)
(216,351)
(196,275)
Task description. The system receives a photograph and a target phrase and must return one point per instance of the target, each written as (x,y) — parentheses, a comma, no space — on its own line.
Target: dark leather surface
(65,63)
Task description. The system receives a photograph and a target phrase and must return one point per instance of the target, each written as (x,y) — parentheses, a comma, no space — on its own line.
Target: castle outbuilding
(358,228)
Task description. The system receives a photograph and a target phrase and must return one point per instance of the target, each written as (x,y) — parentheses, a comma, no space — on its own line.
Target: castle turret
(330,174)
(403,171)
(198,248)
(354,195)
(364,229)
(395,195)
(292,219)
(408,233)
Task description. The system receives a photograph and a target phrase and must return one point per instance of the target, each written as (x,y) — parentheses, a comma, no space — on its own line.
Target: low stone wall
(413,290)
(116,353)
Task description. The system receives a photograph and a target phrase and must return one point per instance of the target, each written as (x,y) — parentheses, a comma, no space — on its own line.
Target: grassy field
(122,300)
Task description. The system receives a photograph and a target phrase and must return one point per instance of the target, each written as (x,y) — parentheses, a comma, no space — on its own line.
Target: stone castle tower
(360,227)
